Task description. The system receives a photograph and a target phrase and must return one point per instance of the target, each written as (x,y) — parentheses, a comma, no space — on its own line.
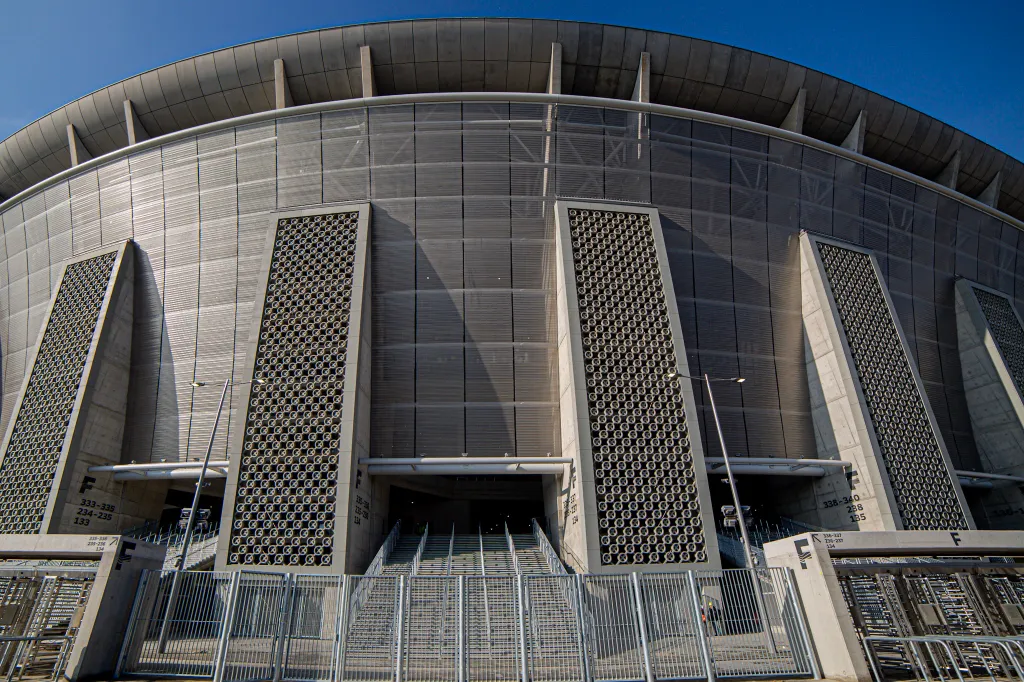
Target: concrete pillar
(555,70)
(118,563)
(136,131)
(79,154)
(585,543)
(282,93)
(842,427)
(349,535)
(642,89)
(990,195)
(70,499)
(853,421)
(989,331)
(828,619)
(855,138)
(366,72)
(950,173)
(794,121)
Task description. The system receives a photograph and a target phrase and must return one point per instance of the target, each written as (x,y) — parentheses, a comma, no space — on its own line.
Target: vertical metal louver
(909,448)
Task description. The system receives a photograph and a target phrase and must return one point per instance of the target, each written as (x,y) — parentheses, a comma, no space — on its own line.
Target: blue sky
(962,62)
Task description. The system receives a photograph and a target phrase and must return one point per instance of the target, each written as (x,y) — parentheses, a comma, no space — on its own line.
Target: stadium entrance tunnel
(467,504)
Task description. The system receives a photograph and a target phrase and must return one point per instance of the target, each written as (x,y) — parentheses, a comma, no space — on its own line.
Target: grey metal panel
(114,182)
(218,249)
(85,213)
(299,166)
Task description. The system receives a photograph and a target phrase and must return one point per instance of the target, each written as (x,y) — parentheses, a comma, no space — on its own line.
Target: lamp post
(206,462)
(189,527)
(725,456)
(762,611)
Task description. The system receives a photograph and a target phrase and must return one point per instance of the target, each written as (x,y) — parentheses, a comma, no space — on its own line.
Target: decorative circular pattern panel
(913,461)
(285,502)
(32,456)
(648,508)
(1006,329)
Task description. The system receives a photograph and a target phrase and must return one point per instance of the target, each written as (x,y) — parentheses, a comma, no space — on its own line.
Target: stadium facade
(451,269)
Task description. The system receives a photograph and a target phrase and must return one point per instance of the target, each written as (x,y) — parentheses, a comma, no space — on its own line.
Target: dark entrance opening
(470,504)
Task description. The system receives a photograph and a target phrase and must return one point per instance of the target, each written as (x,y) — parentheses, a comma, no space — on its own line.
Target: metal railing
(554,563)
(385,550)
(945,657)
(34,657)
(545,628)
(419,551)
(512,550)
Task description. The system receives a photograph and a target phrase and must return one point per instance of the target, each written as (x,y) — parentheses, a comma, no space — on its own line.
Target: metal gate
(177,624)
(637,627)
(254,638)
(39,619)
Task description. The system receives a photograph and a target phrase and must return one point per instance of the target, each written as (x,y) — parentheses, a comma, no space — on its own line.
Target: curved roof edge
(506,55)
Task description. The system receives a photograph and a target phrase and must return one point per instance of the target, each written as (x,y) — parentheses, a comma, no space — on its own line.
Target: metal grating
(288,471)
(37,438)
(1006,330)
(910,451)
(647,504)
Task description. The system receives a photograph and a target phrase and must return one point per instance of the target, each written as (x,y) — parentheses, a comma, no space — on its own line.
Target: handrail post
(225,634)
(805,636)
(521,593)
(172,600)
(400,629)
(702,634)
(132,624)
(460,620)
(341,627)
(512,551)
(641,619)
(284,625)
(483,572)
(584,658)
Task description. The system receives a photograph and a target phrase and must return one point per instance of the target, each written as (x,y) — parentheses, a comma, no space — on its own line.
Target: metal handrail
(451,550)
(390,541)
(512,551)
(554,563)
(419,551)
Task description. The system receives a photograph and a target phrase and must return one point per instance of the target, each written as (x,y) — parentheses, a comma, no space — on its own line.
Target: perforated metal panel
(41,425)
(647,501)
(910,451)
(1006,329)
(285,502)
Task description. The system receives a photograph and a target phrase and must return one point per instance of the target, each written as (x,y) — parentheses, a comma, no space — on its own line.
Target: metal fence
(247,626)
(945,657)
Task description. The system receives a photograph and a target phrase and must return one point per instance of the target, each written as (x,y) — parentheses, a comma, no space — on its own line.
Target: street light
(206,462)
(725,455)
(763,611)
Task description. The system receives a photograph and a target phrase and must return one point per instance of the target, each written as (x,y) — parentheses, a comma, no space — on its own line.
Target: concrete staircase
(431,606)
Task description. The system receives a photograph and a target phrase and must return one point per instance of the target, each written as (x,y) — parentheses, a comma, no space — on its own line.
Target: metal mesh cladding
(647,505)
(288,471)
(41,425)
(913,461)
(1007,331)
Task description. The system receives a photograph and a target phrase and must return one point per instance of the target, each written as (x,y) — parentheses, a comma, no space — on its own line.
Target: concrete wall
(105,621)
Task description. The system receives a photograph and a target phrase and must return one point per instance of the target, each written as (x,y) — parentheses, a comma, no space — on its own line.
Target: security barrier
(945,656)
(247,626)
